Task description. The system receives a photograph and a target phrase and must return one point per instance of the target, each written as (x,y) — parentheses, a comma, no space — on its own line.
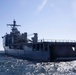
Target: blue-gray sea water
(14,66)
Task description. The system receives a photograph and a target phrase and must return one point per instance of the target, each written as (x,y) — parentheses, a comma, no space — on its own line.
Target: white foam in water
(13,66)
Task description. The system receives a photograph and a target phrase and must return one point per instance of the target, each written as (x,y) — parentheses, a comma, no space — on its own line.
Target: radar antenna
(13,25)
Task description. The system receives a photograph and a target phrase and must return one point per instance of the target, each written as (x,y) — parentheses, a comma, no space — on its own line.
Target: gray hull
(31,55)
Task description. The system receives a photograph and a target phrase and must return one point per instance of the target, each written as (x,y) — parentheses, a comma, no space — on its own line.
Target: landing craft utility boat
(19,45)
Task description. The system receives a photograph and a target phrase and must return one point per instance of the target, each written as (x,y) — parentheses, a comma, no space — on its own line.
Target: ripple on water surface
(13,66)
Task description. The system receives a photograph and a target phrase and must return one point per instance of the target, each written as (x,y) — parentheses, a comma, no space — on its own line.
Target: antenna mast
(14,25)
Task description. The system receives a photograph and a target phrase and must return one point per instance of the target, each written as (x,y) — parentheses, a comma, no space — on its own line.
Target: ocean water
(14,66)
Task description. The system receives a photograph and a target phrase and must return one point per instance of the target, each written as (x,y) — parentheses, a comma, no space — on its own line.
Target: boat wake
(13,66)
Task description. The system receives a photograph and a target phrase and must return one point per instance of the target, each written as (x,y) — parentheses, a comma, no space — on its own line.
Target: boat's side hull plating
(31,55)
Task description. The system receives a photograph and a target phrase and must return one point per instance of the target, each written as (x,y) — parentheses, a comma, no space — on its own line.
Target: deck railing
(56,40)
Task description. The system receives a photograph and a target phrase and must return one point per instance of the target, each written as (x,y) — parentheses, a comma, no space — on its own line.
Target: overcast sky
(51,19)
